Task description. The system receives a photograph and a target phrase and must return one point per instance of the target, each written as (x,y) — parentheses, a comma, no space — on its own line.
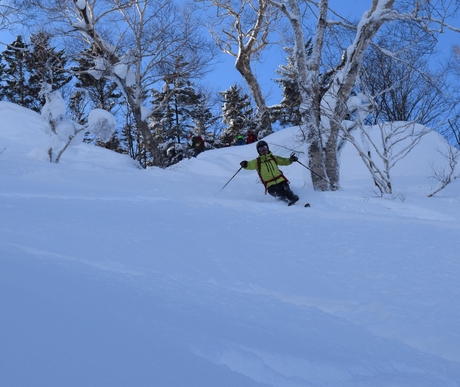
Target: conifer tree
(102,93)
(203,118)
(238,114)
(15,85)
(45,64)
(287,112)
(179,100)
(180,109)
(173,123)
(77,106)
(2,70)
(162,119)
(30,66)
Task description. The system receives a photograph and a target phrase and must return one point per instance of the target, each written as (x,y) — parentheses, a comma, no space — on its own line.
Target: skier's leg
(290,196)
(277,191)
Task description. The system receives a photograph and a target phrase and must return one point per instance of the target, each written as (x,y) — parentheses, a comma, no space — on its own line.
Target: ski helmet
(260,144)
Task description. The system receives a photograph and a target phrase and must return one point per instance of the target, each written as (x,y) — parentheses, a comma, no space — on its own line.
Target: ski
(305,205)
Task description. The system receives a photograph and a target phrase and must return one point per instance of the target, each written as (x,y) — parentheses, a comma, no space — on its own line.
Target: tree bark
(244,38)
(134,104)
(243,65)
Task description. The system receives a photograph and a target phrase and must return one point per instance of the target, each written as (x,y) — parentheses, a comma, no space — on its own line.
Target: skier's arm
(252,164)
(283,160)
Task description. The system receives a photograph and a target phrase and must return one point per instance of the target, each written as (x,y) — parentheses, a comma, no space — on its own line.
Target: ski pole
(230,179)
(303,165)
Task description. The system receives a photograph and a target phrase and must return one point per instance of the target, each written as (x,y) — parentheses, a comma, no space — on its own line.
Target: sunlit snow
(111,275)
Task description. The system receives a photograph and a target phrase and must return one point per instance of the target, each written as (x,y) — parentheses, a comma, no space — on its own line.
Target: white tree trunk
(308,75)
(244,37)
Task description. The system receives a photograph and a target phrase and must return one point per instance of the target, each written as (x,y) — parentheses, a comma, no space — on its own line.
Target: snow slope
(115,276)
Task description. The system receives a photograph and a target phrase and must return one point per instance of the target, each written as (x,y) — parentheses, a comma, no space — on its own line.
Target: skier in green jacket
(272,178)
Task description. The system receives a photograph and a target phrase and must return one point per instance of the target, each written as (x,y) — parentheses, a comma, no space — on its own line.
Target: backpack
(270,157)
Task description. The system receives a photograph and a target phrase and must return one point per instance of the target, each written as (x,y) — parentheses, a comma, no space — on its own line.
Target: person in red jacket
(251,138)
(197,144)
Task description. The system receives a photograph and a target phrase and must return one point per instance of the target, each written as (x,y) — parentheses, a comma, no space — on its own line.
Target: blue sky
(225,75)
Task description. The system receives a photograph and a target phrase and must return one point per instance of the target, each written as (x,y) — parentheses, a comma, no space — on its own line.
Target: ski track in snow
(122,277)
(385,310)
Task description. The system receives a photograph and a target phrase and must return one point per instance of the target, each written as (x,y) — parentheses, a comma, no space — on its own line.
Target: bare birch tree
(405,85)
(452,132)
(11,12)
(5,12)
(445,175)
(135,44)
(241,29)
(382,146)
(324,113)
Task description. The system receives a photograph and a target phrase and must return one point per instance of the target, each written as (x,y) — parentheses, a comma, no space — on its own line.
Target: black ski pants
(282,191)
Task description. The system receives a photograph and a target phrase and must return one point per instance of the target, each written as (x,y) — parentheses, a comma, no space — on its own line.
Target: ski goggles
(263,149)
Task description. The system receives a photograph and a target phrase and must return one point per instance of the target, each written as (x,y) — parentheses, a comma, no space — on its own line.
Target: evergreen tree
(129,137)
(15,85)
(287,113)
(182,102)
(46,65)
(30,66)
(77,106)
(2,71)
(203,119)
(174,121)
(238,114)
(174,113)
(101,92)
(162,118)
(179,110)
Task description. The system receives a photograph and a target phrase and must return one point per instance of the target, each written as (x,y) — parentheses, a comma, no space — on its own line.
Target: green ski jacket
(267,167)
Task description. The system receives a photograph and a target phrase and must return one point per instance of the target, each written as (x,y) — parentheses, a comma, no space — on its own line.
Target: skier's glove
(293,158)
(244,164)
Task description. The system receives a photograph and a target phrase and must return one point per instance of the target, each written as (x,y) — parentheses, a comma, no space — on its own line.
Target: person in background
(251,138)
(197,144)
(240,140)
(270,175)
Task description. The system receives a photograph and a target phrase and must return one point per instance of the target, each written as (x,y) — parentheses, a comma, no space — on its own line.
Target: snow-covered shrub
(102,124)
(65,132)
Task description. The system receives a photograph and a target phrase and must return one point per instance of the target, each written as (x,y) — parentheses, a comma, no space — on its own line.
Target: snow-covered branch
(445,175)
